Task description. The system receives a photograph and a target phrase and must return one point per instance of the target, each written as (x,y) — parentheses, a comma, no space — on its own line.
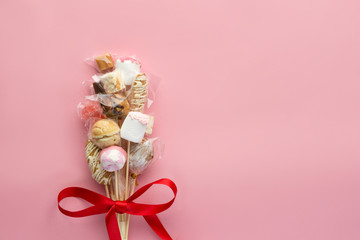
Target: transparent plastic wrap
(115,106)
(107,62)
(90,108)
(102,63)
(123,76)
(105,108)
(144,153)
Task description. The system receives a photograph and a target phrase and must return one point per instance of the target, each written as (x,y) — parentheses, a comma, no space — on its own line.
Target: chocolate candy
(115,106)
(98,88)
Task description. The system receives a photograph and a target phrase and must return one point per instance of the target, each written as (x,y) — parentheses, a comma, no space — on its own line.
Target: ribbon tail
(112,225)
(157,226)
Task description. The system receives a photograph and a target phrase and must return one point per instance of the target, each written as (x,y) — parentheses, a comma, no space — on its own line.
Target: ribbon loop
(103,204)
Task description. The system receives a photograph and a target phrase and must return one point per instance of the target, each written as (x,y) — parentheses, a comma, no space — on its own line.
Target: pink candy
(112,158)
(90,109)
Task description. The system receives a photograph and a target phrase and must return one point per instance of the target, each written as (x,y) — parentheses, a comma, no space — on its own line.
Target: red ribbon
(103,204)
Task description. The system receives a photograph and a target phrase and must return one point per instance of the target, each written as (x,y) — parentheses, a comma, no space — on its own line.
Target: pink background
(258,107)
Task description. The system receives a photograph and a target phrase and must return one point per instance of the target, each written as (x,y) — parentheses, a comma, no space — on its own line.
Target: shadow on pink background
(258,107)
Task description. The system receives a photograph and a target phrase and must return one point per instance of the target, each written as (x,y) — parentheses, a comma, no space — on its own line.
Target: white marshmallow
(134,127)
(129,70)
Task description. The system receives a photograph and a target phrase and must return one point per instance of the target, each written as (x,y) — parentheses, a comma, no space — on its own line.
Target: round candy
(112,158)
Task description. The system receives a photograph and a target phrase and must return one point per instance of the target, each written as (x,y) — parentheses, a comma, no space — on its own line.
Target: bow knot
(121,207)
(102,204)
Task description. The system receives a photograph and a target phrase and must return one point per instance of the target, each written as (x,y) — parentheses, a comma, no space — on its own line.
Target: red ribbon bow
(103,204)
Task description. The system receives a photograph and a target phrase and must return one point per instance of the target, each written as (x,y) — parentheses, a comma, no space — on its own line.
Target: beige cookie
(105,133)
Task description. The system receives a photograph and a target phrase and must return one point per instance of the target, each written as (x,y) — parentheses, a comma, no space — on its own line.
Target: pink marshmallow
(112,158)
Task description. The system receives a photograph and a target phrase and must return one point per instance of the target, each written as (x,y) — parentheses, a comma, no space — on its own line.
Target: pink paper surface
(258,107)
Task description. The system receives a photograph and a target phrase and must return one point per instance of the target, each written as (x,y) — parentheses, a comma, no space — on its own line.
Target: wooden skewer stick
(127,216)
(127,172)
(122,194)
(107,191)
(133,184)
(116,196)
(113,197)
(117,185)
(121,198)
(111,191)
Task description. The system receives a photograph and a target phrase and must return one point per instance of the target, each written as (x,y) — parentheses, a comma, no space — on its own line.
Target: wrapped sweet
(90,109)
(98,88)
(105,62)
(141,156)
(112,82)
(138,93)
(129,69)
(114,106)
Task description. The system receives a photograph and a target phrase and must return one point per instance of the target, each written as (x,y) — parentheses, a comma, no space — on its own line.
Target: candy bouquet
(119,146)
